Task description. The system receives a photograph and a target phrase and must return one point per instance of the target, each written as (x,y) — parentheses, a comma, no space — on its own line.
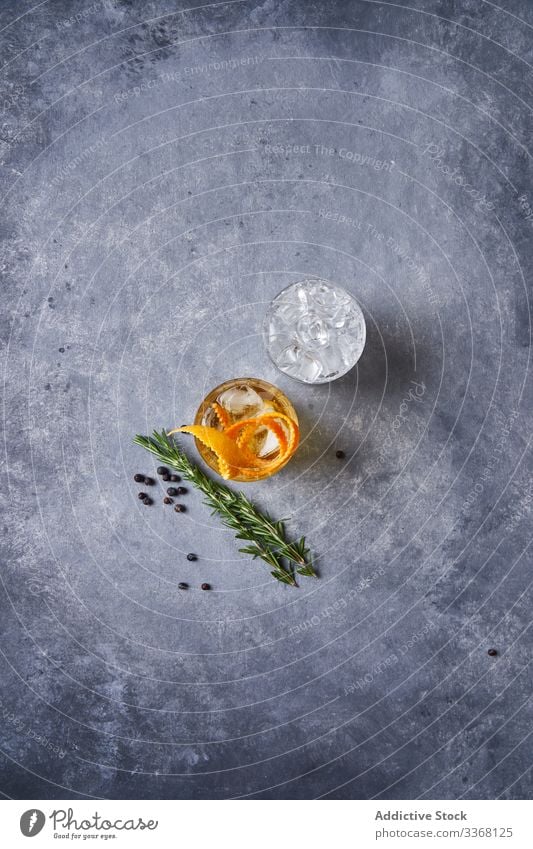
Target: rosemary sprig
(267,538)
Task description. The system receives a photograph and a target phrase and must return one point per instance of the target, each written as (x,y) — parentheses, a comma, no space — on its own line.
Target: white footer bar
(276,824)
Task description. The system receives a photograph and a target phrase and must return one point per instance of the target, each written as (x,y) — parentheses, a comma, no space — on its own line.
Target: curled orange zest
(232,445)
(221,414)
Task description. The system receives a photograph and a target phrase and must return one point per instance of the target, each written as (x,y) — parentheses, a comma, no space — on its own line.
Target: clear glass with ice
(314,331)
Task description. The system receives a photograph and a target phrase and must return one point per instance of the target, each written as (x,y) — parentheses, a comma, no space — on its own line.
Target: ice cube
(302,296)
(313,332)
(338,319)
(266,442)
(308,368)
(288,356)
(323,295)
(288,313)
(331,361)
(241,401)
(350,345)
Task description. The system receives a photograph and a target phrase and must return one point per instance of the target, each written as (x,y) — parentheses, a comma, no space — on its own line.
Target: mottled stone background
(165,170)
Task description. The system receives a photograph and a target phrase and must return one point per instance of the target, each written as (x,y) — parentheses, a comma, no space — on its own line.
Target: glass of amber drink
(246,429)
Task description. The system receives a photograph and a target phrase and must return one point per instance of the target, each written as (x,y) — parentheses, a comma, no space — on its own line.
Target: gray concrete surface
(163,174)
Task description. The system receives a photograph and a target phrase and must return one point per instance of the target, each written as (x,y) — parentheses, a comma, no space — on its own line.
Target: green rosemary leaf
(306,570)
(283,577)
(249,550)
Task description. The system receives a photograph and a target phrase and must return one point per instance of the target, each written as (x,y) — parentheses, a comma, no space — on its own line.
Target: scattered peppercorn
(172,491)
(492,652)
(149,481)
(192,557)
(206,586)
(161,470)
(165,477)
(181,490)
(175,478)
(183,586)
(340,455)
(167,500)
(142,495)
(138,478)
(179,508)
(147,500)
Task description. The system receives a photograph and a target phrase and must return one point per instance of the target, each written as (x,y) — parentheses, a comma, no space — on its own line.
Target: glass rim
(270,387)
(266,320)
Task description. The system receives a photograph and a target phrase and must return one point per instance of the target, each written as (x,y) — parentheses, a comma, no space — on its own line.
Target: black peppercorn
(138,478)
(167,500)
(181,490)
(492,652)
(172,491)
(147,500)
(206,586)
(149,481)
(165,477)
(340,455)
(161,470)
(179,508)
(192,557)
(175,478)
(183,586)
(142,495)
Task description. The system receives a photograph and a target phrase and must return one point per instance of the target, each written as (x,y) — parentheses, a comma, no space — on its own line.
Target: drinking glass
(245,399)
(314,331)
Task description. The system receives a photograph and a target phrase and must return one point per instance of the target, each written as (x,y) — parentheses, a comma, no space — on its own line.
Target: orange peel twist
(232,445)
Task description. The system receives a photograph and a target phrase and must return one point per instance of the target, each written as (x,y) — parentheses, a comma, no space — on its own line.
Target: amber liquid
(232,397)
